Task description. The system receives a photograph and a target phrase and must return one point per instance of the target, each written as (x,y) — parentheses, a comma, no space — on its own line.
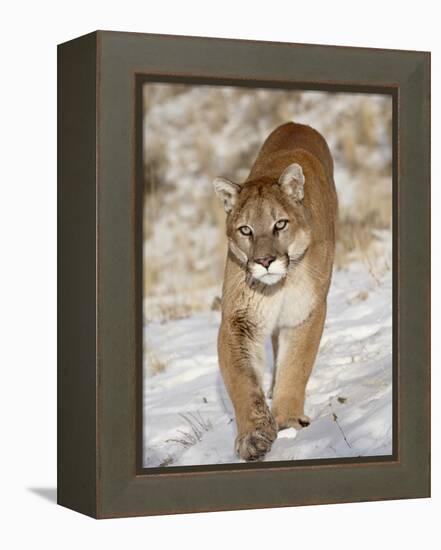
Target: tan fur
(276,281)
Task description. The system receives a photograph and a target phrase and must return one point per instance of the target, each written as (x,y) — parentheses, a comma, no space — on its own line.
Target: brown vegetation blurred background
(194,133)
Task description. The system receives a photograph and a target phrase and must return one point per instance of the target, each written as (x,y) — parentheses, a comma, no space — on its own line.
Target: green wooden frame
(100,273)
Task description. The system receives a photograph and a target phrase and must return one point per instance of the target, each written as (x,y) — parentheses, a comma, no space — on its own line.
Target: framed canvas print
(244,274)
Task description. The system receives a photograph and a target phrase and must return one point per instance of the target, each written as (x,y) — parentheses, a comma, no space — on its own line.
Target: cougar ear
(292,181)
(227,191)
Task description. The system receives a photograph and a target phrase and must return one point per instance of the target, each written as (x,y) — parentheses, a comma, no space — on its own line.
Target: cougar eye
(281,224)
(245,230)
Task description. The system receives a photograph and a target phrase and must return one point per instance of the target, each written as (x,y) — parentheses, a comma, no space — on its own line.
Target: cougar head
(266,224)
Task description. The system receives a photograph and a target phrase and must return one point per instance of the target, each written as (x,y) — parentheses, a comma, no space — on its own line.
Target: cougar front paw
(254,444)
(297,421)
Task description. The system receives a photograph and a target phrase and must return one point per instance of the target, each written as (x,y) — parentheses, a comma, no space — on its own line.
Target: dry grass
(358,225)
(155,364)
(197,427)
(175,306)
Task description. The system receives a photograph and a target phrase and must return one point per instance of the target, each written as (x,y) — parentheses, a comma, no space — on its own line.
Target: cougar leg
(296,355)
(241,354)
(275,343)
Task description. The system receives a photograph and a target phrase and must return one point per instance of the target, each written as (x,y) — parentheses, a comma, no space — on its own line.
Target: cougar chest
(299,299)
(265,311)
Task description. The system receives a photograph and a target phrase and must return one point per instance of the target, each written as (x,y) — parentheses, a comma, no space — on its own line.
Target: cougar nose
(266,261)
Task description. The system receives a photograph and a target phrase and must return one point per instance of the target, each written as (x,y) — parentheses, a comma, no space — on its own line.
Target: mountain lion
(280,227)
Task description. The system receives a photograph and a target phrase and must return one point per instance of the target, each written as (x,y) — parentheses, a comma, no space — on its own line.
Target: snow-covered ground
(188,417)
